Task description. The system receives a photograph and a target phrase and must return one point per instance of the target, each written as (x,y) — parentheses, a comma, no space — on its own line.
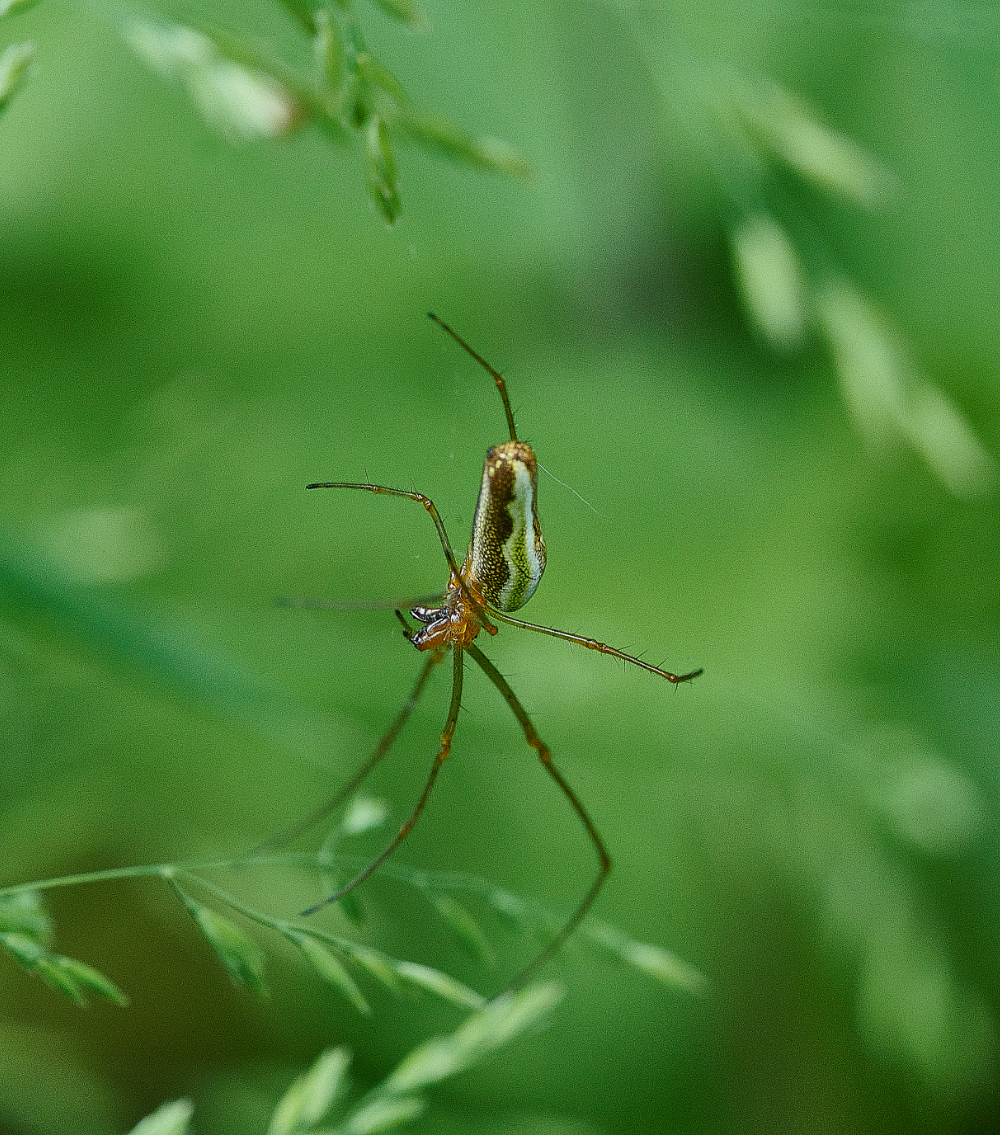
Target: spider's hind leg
(545,756)
(446,736)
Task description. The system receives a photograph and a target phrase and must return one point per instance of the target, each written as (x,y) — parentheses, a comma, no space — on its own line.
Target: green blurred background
(192,331)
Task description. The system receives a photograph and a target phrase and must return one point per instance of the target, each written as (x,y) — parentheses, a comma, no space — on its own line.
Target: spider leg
(446,735)
(286,837)
(593,644)
(413,496)
(545,756)
(303,604)
(497,376)
(457,578)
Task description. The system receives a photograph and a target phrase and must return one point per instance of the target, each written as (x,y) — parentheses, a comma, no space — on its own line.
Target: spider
(499,574)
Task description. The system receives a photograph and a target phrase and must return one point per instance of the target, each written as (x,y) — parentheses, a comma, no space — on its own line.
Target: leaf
(939,430)
(312,1094)
(769,275)
(329,967)
(662,964)
(241,101)
(933,805)
(428,1063)
(380,170)
(14,7)
(69,976)
(168,1119)
(48,969)
(14,65)
(87,979)
(24,913)
(792,130)
(242,957)
(513,910)
(498,1022)
(328,48)
(383,1114)
(871,361)
(477,150)
(440,983)
(464,925)
(507,1016)
(889,397)
(376,74)
(36,959)
(350,906)
(364,813)
(379,965)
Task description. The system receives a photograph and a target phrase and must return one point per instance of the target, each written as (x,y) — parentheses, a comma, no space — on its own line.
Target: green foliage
(16,58)
(792,286)
(15,62)
(328,966)
(23,913)
(661,964)
(307,1104)
(170,1119)
(193,331)
(309,1099)
(316,1101)
(891,399)
(351,94)
(468,930)
(236,91)
(883,389)
(242,957)
(25,930)
(13,7)
(249,95)
(497,1023)
(380,166)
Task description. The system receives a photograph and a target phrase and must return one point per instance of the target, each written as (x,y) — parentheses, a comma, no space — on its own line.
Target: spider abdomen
(507,553)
